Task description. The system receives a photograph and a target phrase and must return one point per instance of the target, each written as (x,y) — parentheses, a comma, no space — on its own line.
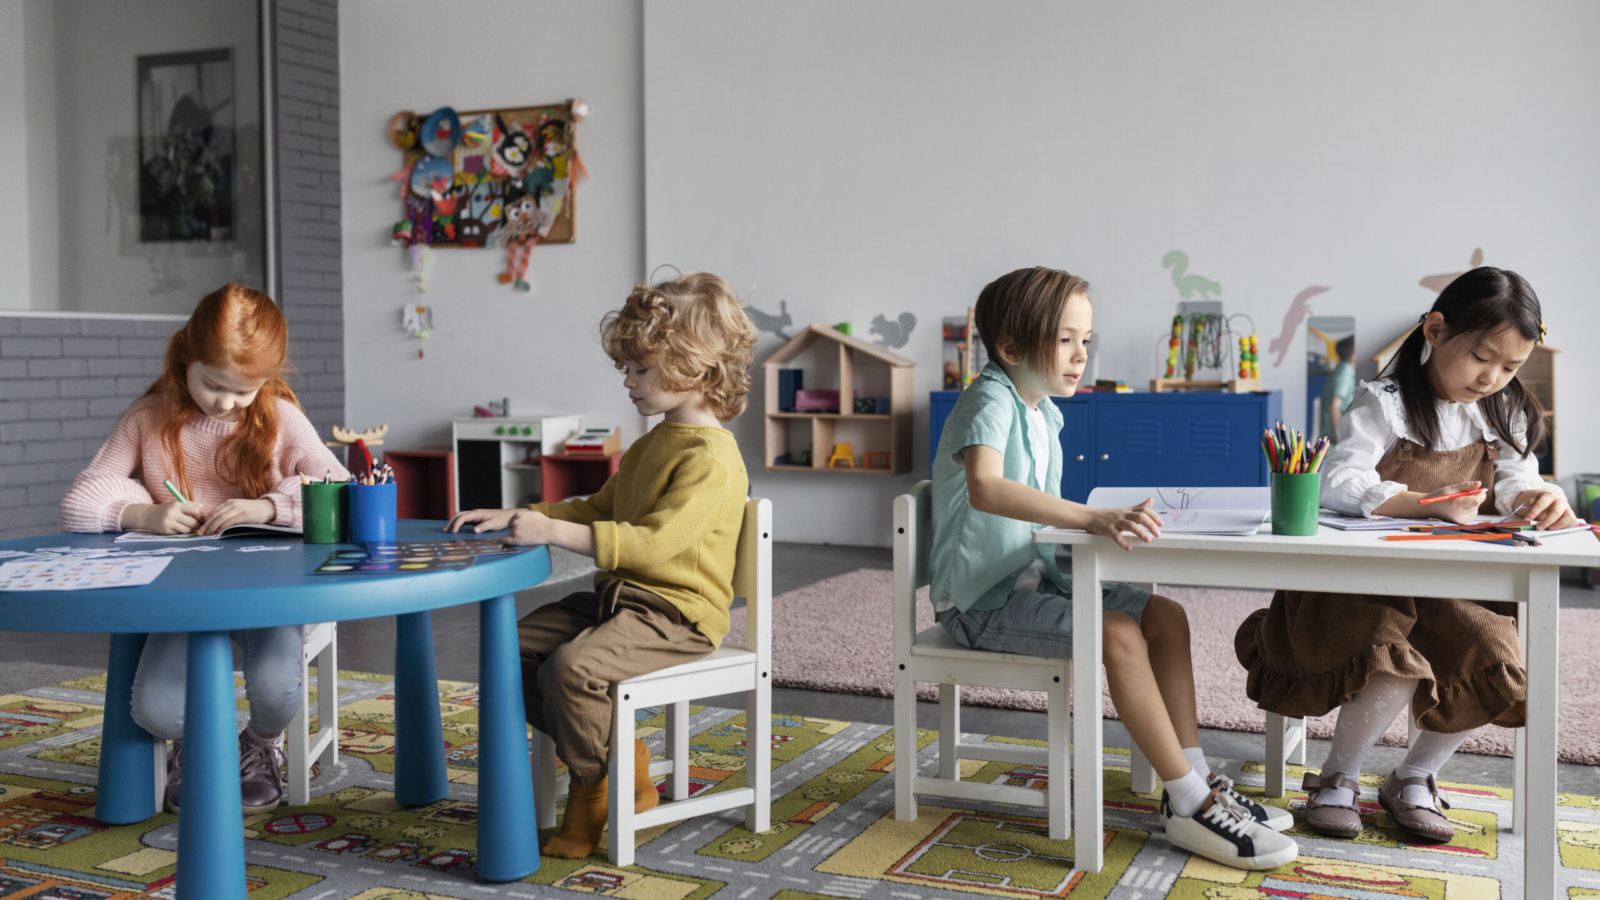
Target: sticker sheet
(357,562)
(81,573)
(430,549)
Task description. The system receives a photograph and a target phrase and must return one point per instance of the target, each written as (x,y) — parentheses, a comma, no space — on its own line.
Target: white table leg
(1519,743)
(1539,842)
(1088,785)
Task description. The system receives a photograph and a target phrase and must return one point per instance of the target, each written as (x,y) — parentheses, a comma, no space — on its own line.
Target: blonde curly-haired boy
(663,532)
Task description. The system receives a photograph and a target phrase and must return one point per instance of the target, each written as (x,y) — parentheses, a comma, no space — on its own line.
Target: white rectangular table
(1352,562)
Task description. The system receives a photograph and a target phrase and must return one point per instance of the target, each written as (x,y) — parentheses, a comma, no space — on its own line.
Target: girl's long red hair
(235,328)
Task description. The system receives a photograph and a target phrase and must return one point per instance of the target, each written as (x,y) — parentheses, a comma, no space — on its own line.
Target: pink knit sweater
(132,464)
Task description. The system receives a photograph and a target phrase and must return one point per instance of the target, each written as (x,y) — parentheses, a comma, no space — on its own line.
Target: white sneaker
(1275,817)
(1226,833)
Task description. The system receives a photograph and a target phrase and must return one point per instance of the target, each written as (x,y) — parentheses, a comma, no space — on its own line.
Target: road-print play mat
(834,833)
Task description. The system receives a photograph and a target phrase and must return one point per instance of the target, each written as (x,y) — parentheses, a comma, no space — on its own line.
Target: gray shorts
(1035,622)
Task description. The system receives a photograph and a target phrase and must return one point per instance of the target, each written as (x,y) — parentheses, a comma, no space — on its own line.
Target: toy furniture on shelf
(564,475)
(876,459)
(497,459)
(842,453)
(425,482)
(1131,440)
(830,411)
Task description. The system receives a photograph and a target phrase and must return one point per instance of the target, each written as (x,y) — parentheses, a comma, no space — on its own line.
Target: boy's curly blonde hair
(693,329)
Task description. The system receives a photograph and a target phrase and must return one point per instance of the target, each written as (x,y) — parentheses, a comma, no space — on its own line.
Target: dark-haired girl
(1448,416)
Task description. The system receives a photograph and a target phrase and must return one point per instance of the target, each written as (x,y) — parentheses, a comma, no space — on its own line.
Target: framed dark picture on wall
(186,146)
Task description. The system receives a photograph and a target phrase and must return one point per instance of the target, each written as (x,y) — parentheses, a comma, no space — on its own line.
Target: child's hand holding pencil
(1457,503)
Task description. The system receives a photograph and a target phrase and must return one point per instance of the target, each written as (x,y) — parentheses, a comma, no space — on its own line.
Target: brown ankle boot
(583,823)
(645,795)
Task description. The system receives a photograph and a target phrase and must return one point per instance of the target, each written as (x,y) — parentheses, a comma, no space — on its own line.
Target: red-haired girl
(222,424)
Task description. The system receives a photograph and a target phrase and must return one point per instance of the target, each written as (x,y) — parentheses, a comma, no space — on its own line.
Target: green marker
(173,490)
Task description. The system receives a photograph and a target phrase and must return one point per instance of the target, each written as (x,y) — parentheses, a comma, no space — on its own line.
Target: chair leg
(328,694)
(620,817)
(678,750)
(1144,775)
(949,731)
(298,742)
(1058,741)
(905,744)
(544,772)
(758,755)
(1281,731)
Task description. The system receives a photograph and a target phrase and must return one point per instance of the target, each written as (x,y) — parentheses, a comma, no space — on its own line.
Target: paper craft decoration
(357,562)
(441,132)
(417,320)
(1190,510)
(79,573)
(511,174)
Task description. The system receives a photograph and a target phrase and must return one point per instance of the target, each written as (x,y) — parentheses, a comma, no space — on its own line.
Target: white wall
(538,349)
(857,159)
(14,258)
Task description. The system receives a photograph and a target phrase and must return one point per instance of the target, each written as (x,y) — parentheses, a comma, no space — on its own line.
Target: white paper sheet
(1251,498)
(78,573)
(1188,510)
(248,530)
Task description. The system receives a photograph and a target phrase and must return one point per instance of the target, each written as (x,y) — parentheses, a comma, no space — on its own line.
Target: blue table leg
(211,826)
(508,834)
(419,773)
(127,767)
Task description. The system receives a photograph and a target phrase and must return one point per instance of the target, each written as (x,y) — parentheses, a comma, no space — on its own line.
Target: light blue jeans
(272,681)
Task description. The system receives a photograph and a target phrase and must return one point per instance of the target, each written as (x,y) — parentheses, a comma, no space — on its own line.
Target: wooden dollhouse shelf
(886,435)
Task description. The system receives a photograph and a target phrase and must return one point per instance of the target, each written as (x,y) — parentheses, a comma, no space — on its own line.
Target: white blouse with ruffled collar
(1377,419)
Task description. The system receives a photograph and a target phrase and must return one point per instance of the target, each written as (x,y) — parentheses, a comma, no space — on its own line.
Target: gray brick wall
(64,381)
(310,282)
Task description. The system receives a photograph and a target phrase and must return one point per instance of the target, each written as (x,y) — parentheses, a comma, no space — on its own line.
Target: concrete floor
(31,660)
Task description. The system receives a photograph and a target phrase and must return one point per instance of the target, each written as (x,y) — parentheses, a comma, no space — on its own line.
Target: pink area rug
(835,635)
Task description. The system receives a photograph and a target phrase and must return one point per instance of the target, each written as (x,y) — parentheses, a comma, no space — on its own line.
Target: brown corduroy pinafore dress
(1310,652)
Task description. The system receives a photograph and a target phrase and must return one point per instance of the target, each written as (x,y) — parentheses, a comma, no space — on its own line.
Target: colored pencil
(1456,496)
(1445,537)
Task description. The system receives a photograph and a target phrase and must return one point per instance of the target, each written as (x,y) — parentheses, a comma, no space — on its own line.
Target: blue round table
(209,594)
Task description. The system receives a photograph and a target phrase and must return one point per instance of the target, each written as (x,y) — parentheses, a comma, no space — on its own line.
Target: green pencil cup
(1295,502)
(325,514)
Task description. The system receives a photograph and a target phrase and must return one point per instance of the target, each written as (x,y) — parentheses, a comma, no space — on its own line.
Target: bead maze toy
(1200,337)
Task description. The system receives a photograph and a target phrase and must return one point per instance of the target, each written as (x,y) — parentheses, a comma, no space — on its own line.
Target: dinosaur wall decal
(1188,284)
(1299,308)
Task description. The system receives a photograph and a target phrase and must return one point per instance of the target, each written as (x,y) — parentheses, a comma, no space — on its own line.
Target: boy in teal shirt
(996,478)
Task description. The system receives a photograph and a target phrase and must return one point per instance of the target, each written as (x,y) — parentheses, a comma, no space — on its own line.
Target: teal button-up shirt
(977,556)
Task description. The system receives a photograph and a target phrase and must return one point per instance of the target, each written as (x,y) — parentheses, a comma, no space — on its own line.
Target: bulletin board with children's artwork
(494,178)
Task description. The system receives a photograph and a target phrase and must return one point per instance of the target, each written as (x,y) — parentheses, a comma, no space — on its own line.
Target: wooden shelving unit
(876,433)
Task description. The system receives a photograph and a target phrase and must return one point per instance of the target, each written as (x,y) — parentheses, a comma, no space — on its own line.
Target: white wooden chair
(931,655)
(728,668)
(319,644)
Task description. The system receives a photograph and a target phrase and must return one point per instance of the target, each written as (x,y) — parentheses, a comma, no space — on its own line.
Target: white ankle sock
(1187,793)
(1427,755)
(1197,759)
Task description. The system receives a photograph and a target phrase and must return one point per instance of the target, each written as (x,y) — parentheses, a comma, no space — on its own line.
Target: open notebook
(232,531)
(1196,510)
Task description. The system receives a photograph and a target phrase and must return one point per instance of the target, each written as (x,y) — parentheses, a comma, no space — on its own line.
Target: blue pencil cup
(372,512)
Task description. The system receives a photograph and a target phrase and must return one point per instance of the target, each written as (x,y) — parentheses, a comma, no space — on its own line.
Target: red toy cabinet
(564,475)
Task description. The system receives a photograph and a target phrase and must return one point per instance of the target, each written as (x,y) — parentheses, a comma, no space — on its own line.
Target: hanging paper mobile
(417,320)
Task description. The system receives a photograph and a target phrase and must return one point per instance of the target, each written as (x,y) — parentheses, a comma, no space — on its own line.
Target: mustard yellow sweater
(669,520)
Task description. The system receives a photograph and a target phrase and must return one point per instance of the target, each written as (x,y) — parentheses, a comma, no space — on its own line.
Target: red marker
(1456,496)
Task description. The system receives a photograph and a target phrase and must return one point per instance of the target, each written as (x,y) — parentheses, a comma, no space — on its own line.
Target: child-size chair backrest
(913,535)
(752,575)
